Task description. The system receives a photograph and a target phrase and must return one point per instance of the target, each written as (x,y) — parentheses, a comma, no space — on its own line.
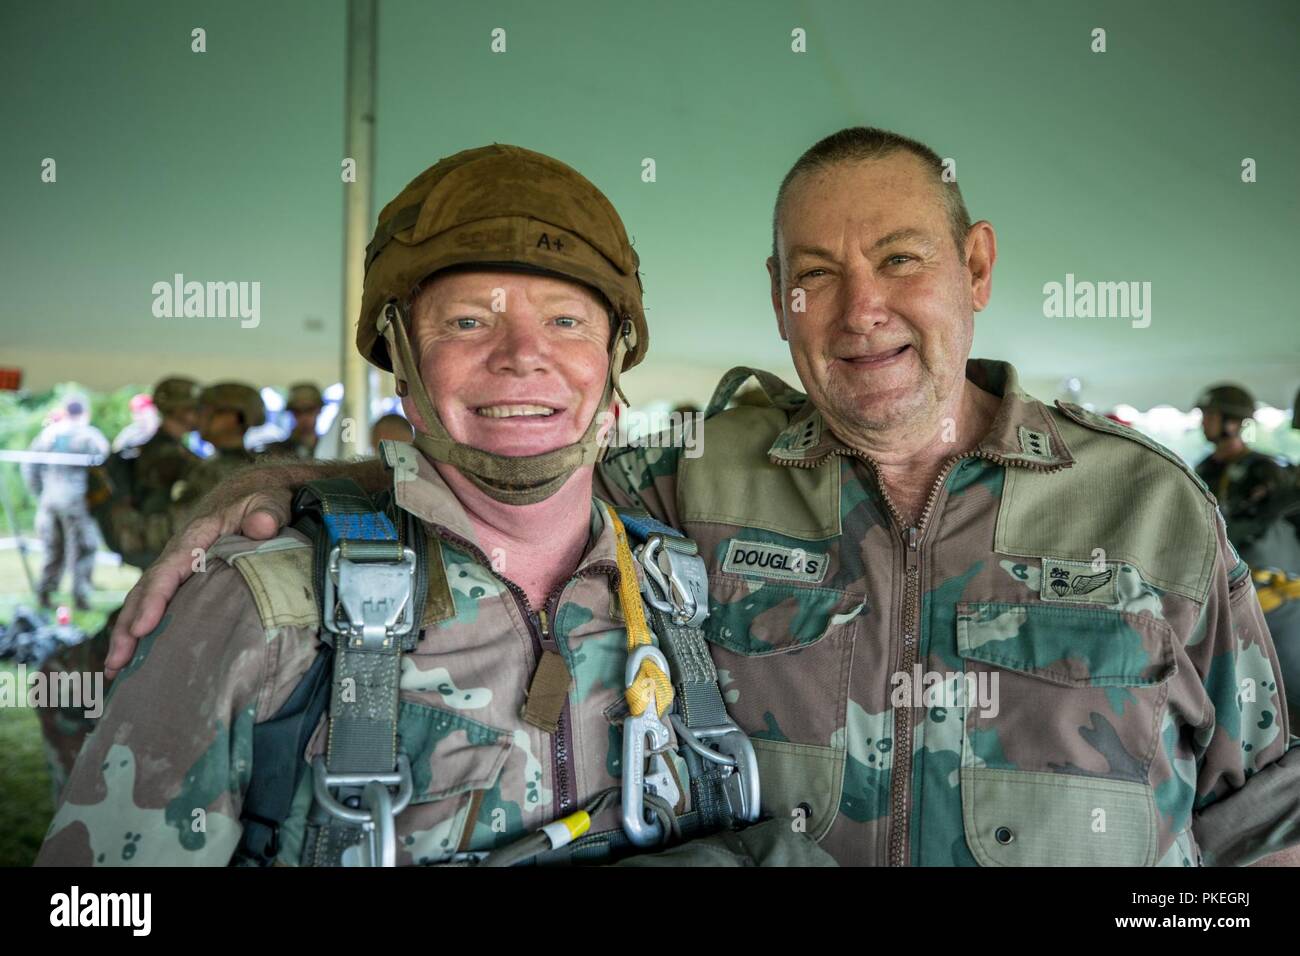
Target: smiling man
(442,673)
(916,526)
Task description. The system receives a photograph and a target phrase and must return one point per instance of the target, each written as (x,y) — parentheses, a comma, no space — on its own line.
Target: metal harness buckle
(676,583)
(373,808)
(638,731)
(374,596)
(727,745)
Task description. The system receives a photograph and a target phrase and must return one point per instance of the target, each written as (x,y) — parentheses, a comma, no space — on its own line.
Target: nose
(865,301)
(520,347)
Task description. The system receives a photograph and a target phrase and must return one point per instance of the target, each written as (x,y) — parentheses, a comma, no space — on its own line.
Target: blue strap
(366,526)
(640,526)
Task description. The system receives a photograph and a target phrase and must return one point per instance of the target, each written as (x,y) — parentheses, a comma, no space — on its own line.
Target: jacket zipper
(900,775)
(564,792)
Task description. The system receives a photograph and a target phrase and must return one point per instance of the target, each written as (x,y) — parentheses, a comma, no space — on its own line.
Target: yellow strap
(650,679)
(1275,588)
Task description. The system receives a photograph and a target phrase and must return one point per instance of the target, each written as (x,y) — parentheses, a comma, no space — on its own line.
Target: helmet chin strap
(512,480)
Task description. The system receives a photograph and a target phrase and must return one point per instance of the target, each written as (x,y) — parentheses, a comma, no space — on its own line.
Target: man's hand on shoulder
(254,502)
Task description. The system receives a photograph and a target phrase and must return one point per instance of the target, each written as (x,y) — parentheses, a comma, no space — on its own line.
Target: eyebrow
(898,235)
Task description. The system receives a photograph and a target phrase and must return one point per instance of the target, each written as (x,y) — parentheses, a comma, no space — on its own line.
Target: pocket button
(1003,835)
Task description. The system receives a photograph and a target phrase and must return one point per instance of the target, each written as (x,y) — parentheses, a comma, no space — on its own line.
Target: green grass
(26,804)
(25,799)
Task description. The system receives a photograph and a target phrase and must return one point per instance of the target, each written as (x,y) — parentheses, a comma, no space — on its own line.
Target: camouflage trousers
(68,536)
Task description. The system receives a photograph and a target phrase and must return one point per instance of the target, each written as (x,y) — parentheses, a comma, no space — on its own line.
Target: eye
(898,258)
(566,321)
(466,323)
(813,273)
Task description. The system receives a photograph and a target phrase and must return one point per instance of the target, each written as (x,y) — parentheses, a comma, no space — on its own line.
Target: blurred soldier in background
(130,496)
(391,426)
(227,411)
(144,422)
(305,402)
(1249,486)
(62,520)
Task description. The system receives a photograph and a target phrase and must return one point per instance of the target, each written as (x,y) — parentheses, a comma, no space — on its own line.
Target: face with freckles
(513,363)
(887,297)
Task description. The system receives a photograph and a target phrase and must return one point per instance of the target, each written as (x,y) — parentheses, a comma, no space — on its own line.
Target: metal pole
(18,535)
(359,145)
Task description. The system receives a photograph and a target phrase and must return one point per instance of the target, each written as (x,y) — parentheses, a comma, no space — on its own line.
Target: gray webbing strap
(363,710)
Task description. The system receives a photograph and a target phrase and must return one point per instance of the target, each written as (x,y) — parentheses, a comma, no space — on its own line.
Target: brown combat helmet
(175,393)
(238,397)
(500,206)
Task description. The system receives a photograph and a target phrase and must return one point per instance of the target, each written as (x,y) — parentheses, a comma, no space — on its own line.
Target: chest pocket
(783,653)
(456,771)
(1063,709)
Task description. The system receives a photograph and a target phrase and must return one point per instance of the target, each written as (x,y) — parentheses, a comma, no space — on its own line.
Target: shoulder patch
(278,573)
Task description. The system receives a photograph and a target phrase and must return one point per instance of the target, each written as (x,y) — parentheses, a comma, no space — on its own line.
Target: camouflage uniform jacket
(174,745)
(1063,662)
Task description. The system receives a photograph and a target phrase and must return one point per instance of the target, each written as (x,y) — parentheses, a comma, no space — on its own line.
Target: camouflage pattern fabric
(161,781)
(1063,662)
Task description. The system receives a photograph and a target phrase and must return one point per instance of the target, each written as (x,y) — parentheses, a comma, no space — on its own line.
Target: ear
(778,301)
(981,252)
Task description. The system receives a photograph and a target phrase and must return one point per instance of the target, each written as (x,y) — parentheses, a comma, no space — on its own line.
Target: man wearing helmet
(503,293)
(304,404)
(1247,484)
(226,412)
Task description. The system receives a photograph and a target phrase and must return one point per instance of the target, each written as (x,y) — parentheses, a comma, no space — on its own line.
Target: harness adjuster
(368,603)
(730,747)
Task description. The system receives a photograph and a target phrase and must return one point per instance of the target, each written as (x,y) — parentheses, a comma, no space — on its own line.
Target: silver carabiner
(645,736)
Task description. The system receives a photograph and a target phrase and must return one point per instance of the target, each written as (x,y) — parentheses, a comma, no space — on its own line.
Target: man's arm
(1248,782)
(161,781)
(254,502)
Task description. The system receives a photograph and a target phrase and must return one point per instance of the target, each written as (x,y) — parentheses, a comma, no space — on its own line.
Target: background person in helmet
(1248,485)
(505,357)
(226,412)
(63,522)
(304,403)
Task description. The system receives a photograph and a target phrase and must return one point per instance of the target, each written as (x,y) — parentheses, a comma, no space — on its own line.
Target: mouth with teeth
(515,411)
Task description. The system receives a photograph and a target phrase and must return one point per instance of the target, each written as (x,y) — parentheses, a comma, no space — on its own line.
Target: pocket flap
(1026,818)
(449,753)
(1071,646)
(791,775)
(754,618)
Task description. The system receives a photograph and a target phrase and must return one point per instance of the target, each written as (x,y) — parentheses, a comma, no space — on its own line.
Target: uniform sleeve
(641,477)
(1248,780)
(161,780)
